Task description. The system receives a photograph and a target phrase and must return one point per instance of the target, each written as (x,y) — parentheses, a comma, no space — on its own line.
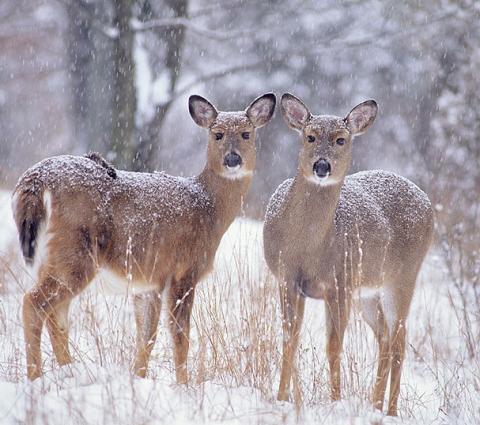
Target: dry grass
(235,356)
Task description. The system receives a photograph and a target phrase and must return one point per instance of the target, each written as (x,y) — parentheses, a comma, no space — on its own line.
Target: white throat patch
(322,181)
(236,173)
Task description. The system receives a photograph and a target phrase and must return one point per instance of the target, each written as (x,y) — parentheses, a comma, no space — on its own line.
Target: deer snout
(232,160)
(322,168)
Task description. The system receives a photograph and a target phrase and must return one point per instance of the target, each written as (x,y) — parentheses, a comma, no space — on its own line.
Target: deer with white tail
(77,216)
(330,236)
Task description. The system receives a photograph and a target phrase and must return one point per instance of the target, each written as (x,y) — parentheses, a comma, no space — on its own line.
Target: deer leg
(336,313)
(32,327)
(375,318)
(182,294)
(57,325)
(147,308)
(396,304)
(68,271)
(398,355)
(47,300)
(293,306)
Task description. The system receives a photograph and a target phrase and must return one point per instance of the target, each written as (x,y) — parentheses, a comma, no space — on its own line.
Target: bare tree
(174,38)
(124,96)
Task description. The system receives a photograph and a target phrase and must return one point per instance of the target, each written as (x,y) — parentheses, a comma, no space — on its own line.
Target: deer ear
(202,111)
(294,112)
(361,118)
(260,111)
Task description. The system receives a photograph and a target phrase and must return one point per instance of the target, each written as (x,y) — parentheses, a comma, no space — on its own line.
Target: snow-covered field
(234,356)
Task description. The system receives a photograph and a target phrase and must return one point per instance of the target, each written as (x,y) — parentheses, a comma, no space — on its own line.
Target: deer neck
(315,207)
(227,195)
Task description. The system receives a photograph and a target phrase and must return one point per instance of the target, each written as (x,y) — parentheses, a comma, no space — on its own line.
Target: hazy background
(114,76)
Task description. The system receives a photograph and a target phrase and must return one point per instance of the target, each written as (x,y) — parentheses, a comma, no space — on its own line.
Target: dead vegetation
(235,355)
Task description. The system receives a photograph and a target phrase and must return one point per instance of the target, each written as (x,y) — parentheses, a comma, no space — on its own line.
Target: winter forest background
(114,76)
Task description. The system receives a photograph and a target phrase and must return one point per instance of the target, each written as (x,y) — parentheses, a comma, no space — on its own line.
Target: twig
(214,75)
(138,26)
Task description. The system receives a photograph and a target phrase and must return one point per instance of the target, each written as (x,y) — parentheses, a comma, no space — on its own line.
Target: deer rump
(126,221)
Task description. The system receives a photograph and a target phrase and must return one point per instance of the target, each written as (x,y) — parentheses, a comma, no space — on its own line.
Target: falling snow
(114,77)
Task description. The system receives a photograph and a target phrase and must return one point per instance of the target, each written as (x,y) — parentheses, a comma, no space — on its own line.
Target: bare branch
(382,36)
(204,78)
(215,7)
(185,23)
(215,75)
(320,10)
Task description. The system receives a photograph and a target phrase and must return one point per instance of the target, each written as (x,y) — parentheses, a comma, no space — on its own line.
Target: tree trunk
(175,37)
(80,56)
(124,97)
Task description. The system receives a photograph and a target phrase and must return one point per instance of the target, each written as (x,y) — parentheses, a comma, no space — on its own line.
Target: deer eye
(311,139)
(218,136)
(245,135)
(341,141)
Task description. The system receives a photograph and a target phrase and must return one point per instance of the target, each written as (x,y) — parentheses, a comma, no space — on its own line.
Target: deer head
(326,150)
(231,135)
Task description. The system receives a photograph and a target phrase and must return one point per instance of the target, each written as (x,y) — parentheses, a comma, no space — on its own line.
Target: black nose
(322,168)
(232,159)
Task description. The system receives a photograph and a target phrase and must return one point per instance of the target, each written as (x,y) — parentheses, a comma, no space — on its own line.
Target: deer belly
(112,282)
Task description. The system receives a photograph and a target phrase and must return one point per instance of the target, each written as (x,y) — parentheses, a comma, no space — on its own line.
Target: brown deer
(77,216)
(327,235)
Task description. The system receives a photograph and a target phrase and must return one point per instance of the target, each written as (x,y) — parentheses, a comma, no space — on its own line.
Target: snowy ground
(234,356)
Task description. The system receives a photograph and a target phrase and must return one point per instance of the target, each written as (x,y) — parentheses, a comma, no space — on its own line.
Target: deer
(78,216)
(338,238)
